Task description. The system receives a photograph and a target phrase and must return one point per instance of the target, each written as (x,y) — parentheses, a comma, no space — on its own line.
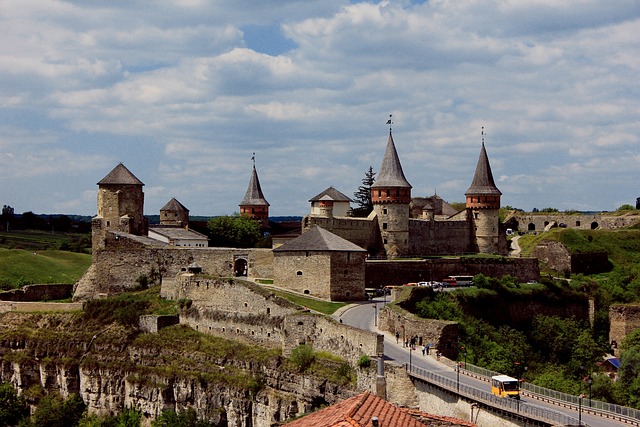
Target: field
(18,266)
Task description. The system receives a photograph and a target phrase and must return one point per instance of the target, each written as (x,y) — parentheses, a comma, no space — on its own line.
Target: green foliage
(53,411)
(549,210)
(186,418)
(325,307)
(364,361)
(439,305)
(363,195)
(234,231)
(625,208)
(13,408)
(302,357)
(124,309)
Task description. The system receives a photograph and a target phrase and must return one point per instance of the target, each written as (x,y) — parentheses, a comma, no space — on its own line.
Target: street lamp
(410,347)
(375,314)
(589,381)
(580,409)
(458,375)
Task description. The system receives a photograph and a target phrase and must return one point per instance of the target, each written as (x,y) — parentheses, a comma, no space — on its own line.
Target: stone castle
(333,246)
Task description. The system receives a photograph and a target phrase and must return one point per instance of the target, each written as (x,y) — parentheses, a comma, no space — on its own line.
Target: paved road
(362,316)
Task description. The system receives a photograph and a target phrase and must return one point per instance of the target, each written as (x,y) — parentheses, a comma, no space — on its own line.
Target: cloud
(183,93)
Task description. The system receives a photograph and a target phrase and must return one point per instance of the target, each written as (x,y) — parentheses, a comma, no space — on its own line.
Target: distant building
(254,204)
(174,213)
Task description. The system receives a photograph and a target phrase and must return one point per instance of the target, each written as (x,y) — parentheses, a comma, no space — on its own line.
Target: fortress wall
(439,237)
(347,276)
(383,273)
(623,319)
(230,296)
(442,334)
(118,267)
(38,292)
(577,221)
(325,334)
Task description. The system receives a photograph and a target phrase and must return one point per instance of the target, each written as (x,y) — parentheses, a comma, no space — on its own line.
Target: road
(362,316)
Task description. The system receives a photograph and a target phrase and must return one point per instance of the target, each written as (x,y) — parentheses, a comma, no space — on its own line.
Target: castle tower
(254,204)
(120,206)
(174,213)
(391,196)
(483,204)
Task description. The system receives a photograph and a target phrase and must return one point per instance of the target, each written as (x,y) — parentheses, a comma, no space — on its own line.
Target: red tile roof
(358,411)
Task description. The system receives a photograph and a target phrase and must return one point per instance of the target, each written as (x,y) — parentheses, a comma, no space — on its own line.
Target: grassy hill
(18,266)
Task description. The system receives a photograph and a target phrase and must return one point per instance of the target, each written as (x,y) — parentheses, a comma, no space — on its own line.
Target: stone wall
(439,237)
(442,334)
(153,323)
(325,334)
(38,292)
(335,276)
(530,222)
(118,267)
(381,273)
(38,306)
(363,232)
(624,319)
(557,257)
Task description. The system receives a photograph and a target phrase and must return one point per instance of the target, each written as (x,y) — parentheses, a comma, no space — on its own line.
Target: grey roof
(483,182)
(330,194)
(178,233)
(174,205)
(254,196)
(120,175)
(319,239)
(391,174)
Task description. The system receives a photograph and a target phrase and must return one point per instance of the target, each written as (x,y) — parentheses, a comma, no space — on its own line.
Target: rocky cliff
(114,367)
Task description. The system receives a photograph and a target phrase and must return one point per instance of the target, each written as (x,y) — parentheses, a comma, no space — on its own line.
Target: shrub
(364,361)
(13,408)
(302,357)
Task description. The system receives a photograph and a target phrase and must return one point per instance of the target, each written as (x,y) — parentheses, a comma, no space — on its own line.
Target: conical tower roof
(483,183)
(174,205)
(120,175)
(391,174)
(254,196)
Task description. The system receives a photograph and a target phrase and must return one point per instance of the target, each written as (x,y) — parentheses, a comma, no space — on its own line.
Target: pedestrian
(427,347)
(424,349)
(397,336)
(406,343)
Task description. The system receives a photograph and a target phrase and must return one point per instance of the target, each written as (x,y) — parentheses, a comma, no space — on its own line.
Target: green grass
(37,240)
(324,307)
(19,266)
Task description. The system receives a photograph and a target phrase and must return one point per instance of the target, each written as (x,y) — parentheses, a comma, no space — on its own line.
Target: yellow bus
(505,386)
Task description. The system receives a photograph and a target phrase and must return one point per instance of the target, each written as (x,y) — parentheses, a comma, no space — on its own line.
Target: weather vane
(483,134)
(389,122)
(253,159)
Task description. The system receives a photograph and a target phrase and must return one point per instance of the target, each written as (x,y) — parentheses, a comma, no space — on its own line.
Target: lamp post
(410,347)
(589,381)
(375,315)
(458,375)
(580,410)
(464,351)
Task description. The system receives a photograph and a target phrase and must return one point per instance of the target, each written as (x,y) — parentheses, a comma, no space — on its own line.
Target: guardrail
(608,410)
(508,405)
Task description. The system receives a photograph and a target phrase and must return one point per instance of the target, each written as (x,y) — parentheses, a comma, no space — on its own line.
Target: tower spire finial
(253,159)
(483,134)
(389,122)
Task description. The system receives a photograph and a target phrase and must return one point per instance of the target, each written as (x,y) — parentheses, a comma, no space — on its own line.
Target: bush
(364,361)
(186,418)
(53,411)
(13,408)
(302,357)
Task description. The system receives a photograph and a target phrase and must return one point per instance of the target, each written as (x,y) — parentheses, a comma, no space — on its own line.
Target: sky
(183,92)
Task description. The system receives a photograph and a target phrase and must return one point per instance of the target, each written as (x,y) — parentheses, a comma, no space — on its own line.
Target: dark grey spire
(391,174)
(483,183)
(254,196)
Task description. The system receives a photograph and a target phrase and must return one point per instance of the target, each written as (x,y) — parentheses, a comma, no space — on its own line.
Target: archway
(594,225)
(531,227)
(240,267)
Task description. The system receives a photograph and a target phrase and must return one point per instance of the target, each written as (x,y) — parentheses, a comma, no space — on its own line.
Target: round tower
(391,196)
(483,206)
(254,204)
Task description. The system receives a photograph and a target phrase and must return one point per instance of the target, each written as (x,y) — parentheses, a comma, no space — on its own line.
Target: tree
(363,195)
(53,411)
(13,408)
(186,418)
(234,231)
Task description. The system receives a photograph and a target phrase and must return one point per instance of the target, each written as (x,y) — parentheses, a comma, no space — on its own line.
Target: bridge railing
(569,399)
(508,405)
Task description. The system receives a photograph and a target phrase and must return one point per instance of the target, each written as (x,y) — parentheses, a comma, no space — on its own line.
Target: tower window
(384,211)
(384,225)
